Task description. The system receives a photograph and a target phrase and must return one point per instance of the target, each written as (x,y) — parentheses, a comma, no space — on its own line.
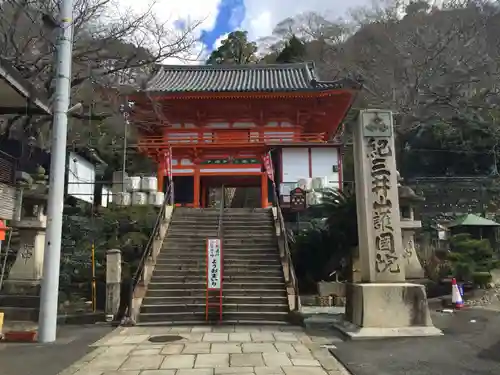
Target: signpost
(298,200)
(214,274)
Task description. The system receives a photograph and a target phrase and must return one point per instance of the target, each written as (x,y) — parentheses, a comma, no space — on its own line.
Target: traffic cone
(456,296)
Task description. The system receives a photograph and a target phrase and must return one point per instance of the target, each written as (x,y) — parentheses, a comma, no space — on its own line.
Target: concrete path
(220,350)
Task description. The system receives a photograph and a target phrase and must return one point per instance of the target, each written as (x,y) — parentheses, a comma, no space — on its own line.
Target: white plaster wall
(323,161)
(295,163)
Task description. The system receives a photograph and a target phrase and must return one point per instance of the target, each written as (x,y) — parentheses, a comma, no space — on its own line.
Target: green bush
(481,279)
(469,256)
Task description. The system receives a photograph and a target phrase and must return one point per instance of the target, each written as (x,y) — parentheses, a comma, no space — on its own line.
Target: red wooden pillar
(203,196)
(196,190)
(263,190)
(161,173)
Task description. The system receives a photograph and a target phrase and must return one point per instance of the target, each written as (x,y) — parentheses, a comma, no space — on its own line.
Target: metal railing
(207,139)
(221,214)
(290,277)
(148,250)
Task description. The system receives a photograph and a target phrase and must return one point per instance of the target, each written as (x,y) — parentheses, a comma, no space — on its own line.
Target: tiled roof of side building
(241,78)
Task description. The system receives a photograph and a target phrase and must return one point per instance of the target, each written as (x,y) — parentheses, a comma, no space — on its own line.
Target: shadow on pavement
(73,342)
(470,346)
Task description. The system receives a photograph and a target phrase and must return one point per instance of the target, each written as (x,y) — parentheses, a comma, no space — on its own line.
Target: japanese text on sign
(386,258)
(214,272)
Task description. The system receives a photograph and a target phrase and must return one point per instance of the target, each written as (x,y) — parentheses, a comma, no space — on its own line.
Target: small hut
(478,227)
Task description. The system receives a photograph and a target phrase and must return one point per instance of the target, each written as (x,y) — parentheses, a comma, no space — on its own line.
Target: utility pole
(52,257)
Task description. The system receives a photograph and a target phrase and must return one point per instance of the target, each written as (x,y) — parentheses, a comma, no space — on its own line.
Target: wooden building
(220,121)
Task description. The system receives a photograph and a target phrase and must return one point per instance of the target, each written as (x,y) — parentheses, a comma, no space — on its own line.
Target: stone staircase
(254,288)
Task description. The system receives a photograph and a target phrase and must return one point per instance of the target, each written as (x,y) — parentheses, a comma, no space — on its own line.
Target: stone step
(202,246)
(283,300)
(226,322)
(227,254)
(257,316)
(200,308)
(226,225)
(228,262)
(201,277)
(227,231)
(13,300)
(231,285)
(194,236)
(228,271)
(190,243)
(228,268)
(23,314)
(201,250)
(260,291)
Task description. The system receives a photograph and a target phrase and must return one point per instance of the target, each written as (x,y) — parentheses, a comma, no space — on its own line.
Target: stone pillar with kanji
(383,304)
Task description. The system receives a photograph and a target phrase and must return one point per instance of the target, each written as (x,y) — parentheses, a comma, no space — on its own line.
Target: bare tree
(112,46)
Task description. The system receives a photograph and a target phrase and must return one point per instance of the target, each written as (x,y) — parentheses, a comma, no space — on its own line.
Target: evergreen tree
(294,51)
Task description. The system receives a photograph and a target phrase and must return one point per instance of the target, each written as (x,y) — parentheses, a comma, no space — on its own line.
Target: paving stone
(268,371)
(172,349)
(226,348)
(284,347)
(106,363)
(225,329)
(112,340)
(233,370)
(300,370)
(150,362)
(307,355)
(197,348)
(301,348)
(113,351)
(262,337)
(216,337)
(276,359)
(152,351)
(240,337)
(211,360)
(138,339)
(305,362)
(181,329)
(285,337)
(193,337)
(258,348)
(124,372)
(158,372)
(202,329)
(196,371)
(249,329)
(178,361)
(246,360)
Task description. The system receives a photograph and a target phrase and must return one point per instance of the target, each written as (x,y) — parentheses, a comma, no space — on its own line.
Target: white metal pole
(52,257)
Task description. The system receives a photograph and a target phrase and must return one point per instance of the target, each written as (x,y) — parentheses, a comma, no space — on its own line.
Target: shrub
(481,279)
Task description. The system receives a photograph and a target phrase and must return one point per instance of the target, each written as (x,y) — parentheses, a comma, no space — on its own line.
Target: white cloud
(169,11)
(263,15)
(219,40)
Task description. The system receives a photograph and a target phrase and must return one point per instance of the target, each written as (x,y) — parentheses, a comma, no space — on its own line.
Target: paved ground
(210,351)
(49,359)
(471,345)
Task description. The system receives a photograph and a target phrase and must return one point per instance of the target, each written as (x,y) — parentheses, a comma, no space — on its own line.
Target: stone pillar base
(387,310)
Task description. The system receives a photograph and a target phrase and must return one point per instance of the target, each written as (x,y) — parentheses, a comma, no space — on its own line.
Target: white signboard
(81,178)
(214,271)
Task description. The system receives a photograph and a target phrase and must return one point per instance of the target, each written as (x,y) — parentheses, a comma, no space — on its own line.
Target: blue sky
(230,15)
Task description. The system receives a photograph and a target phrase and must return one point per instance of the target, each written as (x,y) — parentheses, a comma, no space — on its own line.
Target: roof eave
(22,86)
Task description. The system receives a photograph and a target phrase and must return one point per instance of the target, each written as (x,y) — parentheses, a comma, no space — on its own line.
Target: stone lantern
(30,222)
(409,225)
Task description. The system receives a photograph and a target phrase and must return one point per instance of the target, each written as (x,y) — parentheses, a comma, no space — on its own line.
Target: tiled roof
(240,78)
